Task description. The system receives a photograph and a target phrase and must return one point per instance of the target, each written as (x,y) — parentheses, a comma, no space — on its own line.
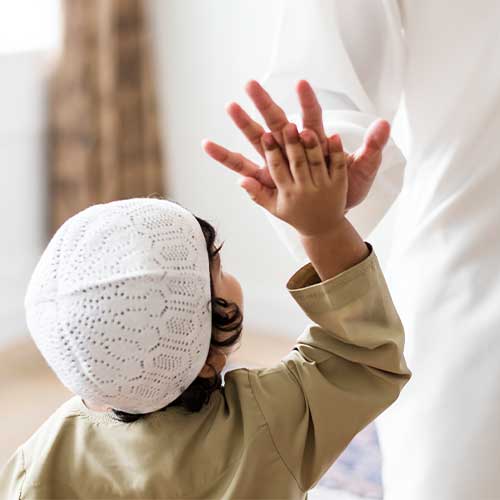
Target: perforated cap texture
(119,303)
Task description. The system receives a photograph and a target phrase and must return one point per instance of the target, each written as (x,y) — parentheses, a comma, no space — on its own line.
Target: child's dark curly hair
(226,317)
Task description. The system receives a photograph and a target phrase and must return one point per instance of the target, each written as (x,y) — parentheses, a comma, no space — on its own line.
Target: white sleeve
(353,54)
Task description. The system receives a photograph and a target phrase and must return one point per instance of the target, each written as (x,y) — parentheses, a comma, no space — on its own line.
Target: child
(131,308)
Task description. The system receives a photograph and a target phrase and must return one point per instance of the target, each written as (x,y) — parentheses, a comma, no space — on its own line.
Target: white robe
(435,222)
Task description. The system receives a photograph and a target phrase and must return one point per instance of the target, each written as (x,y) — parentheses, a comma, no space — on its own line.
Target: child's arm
(345,369)
(348,367)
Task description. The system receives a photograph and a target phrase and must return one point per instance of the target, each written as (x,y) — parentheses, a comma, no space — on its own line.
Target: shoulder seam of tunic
(271,435)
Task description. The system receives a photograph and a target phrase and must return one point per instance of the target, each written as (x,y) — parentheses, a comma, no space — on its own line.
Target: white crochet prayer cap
(119,303)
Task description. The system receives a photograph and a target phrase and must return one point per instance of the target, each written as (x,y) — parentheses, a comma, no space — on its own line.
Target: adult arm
(353,54)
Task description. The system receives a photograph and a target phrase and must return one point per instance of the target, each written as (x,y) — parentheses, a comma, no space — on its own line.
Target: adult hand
(362,164)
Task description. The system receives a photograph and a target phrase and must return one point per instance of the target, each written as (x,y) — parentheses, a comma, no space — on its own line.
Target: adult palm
(362,164)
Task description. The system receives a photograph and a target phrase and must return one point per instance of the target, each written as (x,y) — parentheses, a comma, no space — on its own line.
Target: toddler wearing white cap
(119,303)
(130,307)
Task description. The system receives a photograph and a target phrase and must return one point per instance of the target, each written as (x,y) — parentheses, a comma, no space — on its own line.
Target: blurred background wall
(203,57)
(205,53)
(202,53)
(29,37)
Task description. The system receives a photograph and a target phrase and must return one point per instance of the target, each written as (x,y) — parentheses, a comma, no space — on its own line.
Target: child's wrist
(336,250)
(339,229)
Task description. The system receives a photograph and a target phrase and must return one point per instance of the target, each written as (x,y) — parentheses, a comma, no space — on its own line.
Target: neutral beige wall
(206,51)
(22,182)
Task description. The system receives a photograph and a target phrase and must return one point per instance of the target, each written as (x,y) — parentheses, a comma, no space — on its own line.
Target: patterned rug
(358,469)
(322,493)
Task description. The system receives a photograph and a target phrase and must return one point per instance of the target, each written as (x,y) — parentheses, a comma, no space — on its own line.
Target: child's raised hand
(309,195)
(362,164)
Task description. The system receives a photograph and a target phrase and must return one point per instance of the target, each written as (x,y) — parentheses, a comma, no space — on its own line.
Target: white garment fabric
(119,303)
(437,231)
(333,65)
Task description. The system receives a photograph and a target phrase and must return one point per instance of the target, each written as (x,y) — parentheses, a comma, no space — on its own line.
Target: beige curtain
(104,139)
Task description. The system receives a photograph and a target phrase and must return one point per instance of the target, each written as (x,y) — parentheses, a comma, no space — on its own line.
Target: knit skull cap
(119,303)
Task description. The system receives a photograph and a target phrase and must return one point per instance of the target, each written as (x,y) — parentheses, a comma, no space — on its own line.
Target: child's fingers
(262,195)
(338,166)
(299,166)
(314,153)
(278,167)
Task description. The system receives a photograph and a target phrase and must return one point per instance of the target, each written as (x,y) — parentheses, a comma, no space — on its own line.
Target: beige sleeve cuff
(308,290)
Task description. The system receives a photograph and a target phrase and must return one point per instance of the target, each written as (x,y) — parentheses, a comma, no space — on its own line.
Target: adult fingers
(367,159)
(238,163)
(315,157)
(377,135)
(277,164)
(299,166)
(234,161)
(273,115)
(250,128)
(312,114)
